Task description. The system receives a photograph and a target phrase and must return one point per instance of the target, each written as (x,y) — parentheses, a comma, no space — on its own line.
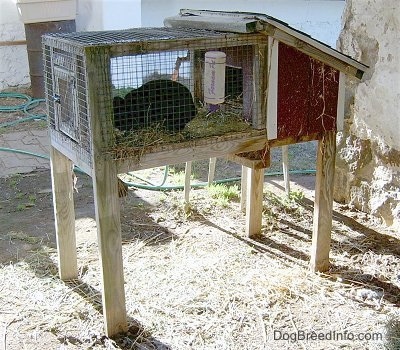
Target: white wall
(13,59)
(108,14)
(91,15)
(319,18)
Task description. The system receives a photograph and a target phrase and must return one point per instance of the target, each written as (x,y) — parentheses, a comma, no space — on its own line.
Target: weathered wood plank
(110,245)
(314,50)
(340,102)
(63,202)
(193,151)
(254,201)
(260,82)
(293,140)
(272,89)
(212,23)
(243,189)
(228,39)
(188,174)
(259,159)
(285,168)
(322,224)
(105,187)
(12,42)
(211,170)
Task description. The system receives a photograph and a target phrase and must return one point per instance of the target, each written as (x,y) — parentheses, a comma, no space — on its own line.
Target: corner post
(64,214)
(254,201)
(105,186)
(322,224)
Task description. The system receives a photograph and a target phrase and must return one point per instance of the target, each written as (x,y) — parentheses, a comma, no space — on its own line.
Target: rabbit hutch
(207,84)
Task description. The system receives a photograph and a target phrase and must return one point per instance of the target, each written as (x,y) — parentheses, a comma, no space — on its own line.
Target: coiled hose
(24,107)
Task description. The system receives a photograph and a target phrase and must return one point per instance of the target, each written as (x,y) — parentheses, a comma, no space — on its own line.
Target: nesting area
(151,87)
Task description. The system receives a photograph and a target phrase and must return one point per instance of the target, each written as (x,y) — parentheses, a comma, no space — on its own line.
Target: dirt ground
(193,280)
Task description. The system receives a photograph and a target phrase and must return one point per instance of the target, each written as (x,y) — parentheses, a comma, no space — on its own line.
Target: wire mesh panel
(66,96)
(152,87)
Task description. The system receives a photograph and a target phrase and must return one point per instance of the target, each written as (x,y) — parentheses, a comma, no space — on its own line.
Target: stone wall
(368,162)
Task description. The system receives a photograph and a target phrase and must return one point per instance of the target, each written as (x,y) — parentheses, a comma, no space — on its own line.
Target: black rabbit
(161,101)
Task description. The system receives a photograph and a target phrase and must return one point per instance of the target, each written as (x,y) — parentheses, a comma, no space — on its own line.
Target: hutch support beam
(322,224)
(254,201)
(107,206)
(110,245)
(64,213)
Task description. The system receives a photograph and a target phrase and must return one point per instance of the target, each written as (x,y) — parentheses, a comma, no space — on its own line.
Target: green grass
(222,194)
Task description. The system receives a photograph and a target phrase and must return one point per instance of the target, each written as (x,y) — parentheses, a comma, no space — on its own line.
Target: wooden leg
(254,201)
(63,202)
(285,168)
(211,170)
(110,245)
(188,174)
(243,189)
(322,225)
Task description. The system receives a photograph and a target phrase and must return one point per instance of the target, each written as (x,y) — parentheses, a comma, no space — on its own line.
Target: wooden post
(211,170)
(243,189)
(63,202)
(186,187)
(254,201)
(322,225)
(105,186)
(285,168)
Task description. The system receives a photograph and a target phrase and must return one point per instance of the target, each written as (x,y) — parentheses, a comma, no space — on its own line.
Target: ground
(193,280)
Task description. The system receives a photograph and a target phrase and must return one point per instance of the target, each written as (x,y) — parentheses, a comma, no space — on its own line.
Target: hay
(226,121)
(198,282)
(223,121)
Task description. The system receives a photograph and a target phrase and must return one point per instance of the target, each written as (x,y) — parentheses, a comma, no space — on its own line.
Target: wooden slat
(63,202)
(110,245)
(340,102)
(260,82)
(272,89)
(12,43)
(228,39)
(294,140)
(202,150)
(212,23)
(211,170)
(315,51)
(188,174)
(106,199)
(260,159)
(303,40)
(254,201)
(322,224)
(243,189)
(285,168)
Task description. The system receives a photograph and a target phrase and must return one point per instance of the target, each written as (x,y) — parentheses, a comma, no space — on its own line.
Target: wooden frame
(103,167)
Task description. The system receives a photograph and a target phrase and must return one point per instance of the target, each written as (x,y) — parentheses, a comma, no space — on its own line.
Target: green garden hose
(31,103)
(24,107)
